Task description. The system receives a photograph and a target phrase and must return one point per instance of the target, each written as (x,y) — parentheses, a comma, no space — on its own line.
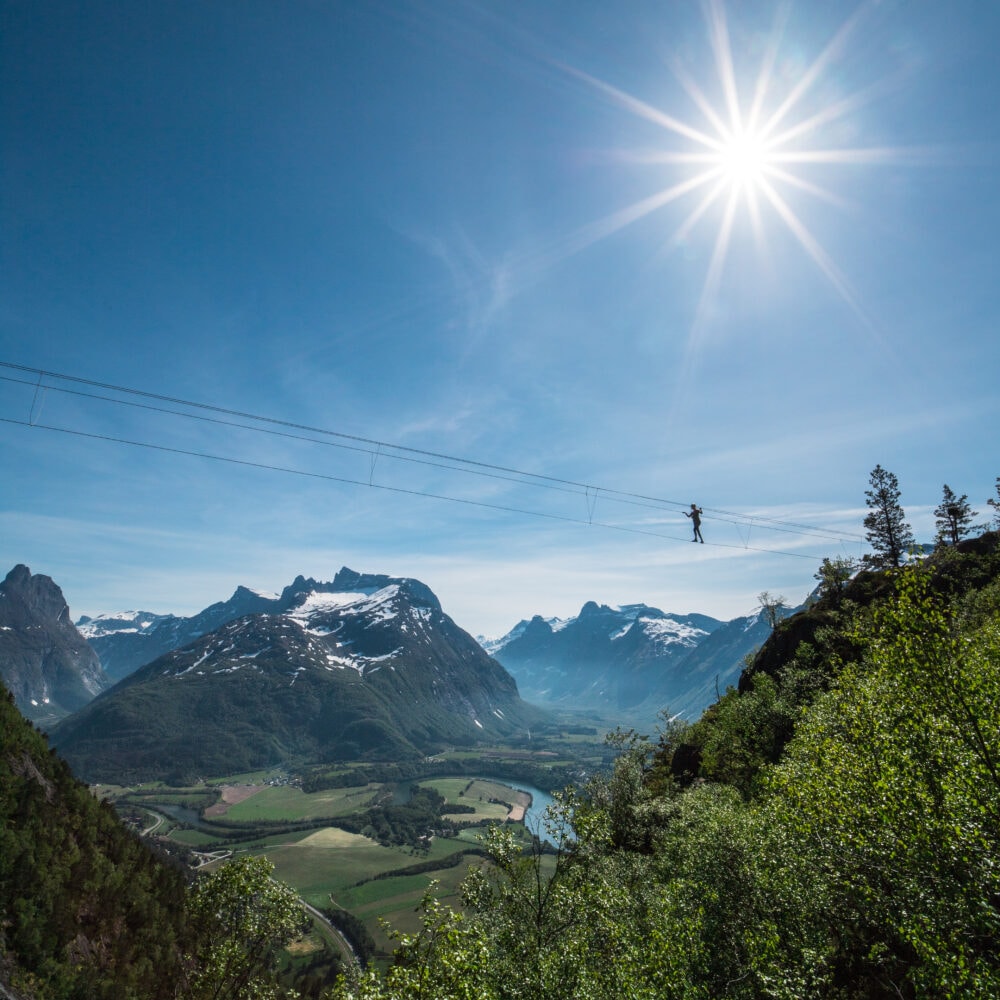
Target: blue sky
(485,231)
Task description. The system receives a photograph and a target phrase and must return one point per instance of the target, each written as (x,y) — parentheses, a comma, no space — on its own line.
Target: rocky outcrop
(44,661)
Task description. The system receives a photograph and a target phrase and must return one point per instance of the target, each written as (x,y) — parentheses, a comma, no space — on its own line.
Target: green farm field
(287,802)
(323,863)
(331,860)
(194,838)
(400,908)
(478,793)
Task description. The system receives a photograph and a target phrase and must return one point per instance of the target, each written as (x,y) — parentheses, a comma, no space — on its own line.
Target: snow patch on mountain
(317,601)
(378,604)
(493,644)
(121,622)
(382,604)
(667,631)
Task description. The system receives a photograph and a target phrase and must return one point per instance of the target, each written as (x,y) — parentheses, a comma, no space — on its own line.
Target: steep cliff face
(44,661)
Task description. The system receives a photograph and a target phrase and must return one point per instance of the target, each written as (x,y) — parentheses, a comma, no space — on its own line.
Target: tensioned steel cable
(393,489)
(464,465)
(591,493)
(287,434)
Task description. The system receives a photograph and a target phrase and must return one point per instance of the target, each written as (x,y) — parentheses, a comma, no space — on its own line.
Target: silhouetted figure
(695,516)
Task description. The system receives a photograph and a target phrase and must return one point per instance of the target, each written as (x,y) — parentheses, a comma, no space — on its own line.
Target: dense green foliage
(85,909)
(838,835)
(240,917)
(994,502)
(88,912)
(355,931)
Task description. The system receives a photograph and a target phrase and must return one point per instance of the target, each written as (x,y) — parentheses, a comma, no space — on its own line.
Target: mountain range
(629,662)
(632,661)
(363,667)
(127,640)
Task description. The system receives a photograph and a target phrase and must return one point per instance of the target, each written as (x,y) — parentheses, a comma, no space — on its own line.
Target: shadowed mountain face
(363,667)
(44,662)
(632,661)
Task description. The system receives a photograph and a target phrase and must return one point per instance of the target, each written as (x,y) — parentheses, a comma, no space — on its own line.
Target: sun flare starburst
(746,148)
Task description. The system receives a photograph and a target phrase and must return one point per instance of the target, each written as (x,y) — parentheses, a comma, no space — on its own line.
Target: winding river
(540,801)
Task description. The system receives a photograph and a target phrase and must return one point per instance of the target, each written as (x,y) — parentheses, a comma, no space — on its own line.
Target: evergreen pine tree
(953,517)
(887,531)
(995,504)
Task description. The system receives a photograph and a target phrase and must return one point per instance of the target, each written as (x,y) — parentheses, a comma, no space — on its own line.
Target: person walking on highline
(695,516)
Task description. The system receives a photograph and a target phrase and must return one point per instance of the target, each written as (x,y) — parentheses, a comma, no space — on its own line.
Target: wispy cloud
(481,288)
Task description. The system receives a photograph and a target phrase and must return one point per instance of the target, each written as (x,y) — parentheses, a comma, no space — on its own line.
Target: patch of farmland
(331,836)
(287,802)
(490,799)
(231,795)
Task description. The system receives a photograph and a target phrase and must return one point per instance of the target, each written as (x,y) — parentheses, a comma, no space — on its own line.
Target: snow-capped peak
(117,621)
(315,606)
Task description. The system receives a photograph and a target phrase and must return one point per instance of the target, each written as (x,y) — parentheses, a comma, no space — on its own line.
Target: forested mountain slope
(831,829)
(85,909)
(87,912)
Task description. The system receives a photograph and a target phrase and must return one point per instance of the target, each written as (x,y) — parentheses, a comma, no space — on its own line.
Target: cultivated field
(332,868)
(287,802)
(491,799)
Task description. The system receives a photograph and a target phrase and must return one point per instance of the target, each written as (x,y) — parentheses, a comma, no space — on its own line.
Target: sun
(744,160)
(749,148)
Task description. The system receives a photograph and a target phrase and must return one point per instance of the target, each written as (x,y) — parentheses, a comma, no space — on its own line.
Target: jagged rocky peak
(303,585)
(40,595)
(44,661)
(244,601)
(593,610)
(537,628)
(242,593)
(125,644)
(349,581)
